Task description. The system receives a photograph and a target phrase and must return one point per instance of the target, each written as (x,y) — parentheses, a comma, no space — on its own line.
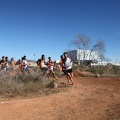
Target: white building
(99,64)
(115,63)
(76,55)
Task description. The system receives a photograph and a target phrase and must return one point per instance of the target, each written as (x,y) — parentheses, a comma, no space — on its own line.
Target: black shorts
(64,71)
(44,69)
(69,71)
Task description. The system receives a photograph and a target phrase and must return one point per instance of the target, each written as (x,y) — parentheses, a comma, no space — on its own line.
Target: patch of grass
(23,84)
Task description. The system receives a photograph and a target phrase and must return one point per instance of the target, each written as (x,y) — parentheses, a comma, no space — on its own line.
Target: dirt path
(88,99)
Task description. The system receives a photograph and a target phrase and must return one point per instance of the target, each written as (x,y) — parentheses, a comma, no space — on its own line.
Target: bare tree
(82,42)
(99,47)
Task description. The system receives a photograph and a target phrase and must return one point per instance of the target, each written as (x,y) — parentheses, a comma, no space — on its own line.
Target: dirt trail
(89,99)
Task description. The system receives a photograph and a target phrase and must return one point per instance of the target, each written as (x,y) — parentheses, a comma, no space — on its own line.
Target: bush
(23,84)
(97,70)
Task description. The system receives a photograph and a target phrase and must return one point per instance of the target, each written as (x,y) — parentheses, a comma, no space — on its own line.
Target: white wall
(99,63)
(83,55)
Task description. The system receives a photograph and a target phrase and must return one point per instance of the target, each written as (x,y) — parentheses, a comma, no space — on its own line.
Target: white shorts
(51,68)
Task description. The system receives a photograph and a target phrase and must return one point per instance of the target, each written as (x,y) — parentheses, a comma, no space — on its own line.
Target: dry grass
(108,71)
(16,84)
(22,84)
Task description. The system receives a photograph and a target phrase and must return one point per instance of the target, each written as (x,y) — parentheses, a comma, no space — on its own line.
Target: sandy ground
(89,99)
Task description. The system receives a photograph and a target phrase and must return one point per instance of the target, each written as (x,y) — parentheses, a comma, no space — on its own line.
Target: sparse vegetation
(36,83)
(22,84)
(106,71)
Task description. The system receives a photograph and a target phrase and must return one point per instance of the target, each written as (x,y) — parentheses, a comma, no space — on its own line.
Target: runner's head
(3,57)
(6,57)
(65,54)
(24,57)
(49,58)
(62,57)
(43,57)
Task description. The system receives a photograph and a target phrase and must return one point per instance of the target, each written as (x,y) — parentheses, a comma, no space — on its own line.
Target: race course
(90,98)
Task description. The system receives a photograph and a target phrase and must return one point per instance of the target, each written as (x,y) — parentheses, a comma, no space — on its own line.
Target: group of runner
(47,68)
(4,63)
(65,65)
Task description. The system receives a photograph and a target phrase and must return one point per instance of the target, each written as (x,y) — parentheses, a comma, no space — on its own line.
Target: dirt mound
(78,73)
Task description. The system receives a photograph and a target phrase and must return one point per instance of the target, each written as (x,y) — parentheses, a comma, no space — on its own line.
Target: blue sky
(29,27)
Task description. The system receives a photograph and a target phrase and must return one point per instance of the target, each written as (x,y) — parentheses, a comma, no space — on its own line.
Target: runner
(43,65)
(61,65)
(25,64)
(21,66)
(6,64)
(50,68)
(2,62)
(68,68)
(38,62)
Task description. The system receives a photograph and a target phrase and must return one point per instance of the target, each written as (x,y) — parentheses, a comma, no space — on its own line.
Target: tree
(82,42)
(99,47)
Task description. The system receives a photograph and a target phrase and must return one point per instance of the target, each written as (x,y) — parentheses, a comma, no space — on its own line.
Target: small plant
(97,70)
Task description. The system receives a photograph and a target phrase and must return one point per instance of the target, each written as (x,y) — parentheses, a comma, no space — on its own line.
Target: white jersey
(68,64)
(43,65)
(6,64)
(25,63)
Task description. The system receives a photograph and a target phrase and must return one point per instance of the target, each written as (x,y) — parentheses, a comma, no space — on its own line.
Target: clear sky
(29,27)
